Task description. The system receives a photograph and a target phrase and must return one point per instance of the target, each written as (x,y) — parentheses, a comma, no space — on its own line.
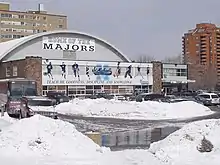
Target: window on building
(21,16)
(60,26)
(15,71)
(181,72)
(14,16)
(44,18)
(52,88)
(6,15)
(44,87)
(6,36)
(7,71)
(44,30)
(16,36)
(8,30)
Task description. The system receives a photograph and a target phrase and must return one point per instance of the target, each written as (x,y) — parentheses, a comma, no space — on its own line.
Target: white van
(209,99)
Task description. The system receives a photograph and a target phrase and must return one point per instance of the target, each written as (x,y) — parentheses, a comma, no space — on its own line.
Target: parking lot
(121,134)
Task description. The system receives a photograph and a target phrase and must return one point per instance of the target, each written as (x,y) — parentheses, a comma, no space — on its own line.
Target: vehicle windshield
(23,89)
(14,98)
(205,96)
(214,96)
(40,103)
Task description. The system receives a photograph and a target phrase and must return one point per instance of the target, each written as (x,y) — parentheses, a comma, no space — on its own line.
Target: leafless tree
(174,59)
(145,58)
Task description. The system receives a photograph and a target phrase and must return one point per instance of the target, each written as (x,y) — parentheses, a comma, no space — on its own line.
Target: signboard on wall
(71,44)
(57,72)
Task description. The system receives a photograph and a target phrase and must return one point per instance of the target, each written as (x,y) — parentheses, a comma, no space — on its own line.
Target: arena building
(76,63)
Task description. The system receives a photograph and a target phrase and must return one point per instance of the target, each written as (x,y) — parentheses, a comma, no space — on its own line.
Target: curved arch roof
(7,47)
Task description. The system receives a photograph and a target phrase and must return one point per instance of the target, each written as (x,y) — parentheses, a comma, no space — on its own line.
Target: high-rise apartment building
(201,46)
(17,24)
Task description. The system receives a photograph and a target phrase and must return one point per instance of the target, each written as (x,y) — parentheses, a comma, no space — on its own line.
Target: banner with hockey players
(66,72)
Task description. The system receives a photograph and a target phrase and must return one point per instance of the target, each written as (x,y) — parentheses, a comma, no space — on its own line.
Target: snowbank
(181,147)
(41,136)
(127,157)
(6,121)
(42,108)
(130,157)
(42,140)
(133,110)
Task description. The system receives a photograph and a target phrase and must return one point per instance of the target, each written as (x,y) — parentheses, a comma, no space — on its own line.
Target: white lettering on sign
(73,44)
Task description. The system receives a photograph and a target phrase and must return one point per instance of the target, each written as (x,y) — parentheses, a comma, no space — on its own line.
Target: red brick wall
(20,72)
(157,77)
(33,70)
(30,68)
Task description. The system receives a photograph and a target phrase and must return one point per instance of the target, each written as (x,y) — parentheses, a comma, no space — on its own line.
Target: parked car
(99,95)
(58,96)
(149,96)
(209,99)
(31,105)
(12,106)
(119,97)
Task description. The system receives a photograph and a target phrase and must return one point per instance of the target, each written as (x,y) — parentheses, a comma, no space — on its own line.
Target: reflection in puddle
(135,139)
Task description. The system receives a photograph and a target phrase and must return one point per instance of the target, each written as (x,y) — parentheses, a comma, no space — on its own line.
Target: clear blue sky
(150,27)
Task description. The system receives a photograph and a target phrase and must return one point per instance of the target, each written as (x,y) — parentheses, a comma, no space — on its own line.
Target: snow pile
(6,121)
(130,157)
(133,110)
(42,140)
(41,136)
(182,147)
(42,108)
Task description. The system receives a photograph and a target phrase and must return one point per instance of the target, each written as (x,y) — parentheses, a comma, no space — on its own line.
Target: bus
(12,90)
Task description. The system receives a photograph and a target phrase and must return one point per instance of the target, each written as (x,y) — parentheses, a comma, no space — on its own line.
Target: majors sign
(64,43)
(57,72)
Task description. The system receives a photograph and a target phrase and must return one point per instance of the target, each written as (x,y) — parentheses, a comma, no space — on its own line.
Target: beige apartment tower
(17,24)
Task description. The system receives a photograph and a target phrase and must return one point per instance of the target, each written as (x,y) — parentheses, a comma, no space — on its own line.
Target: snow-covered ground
(42,140)
(5,120)
(181,147)
(148,110)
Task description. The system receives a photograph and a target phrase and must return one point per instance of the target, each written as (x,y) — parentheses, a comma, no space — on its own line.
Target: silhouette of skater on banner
(148,70)
(139,72)
(63,69)
(49,68)
(128,72)
(117,71)
(87,71)
(75,68)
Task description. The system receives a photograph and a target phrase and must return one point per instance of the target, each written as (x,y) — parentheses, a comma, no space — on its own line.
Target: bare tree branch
(145,58)
(174,59)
